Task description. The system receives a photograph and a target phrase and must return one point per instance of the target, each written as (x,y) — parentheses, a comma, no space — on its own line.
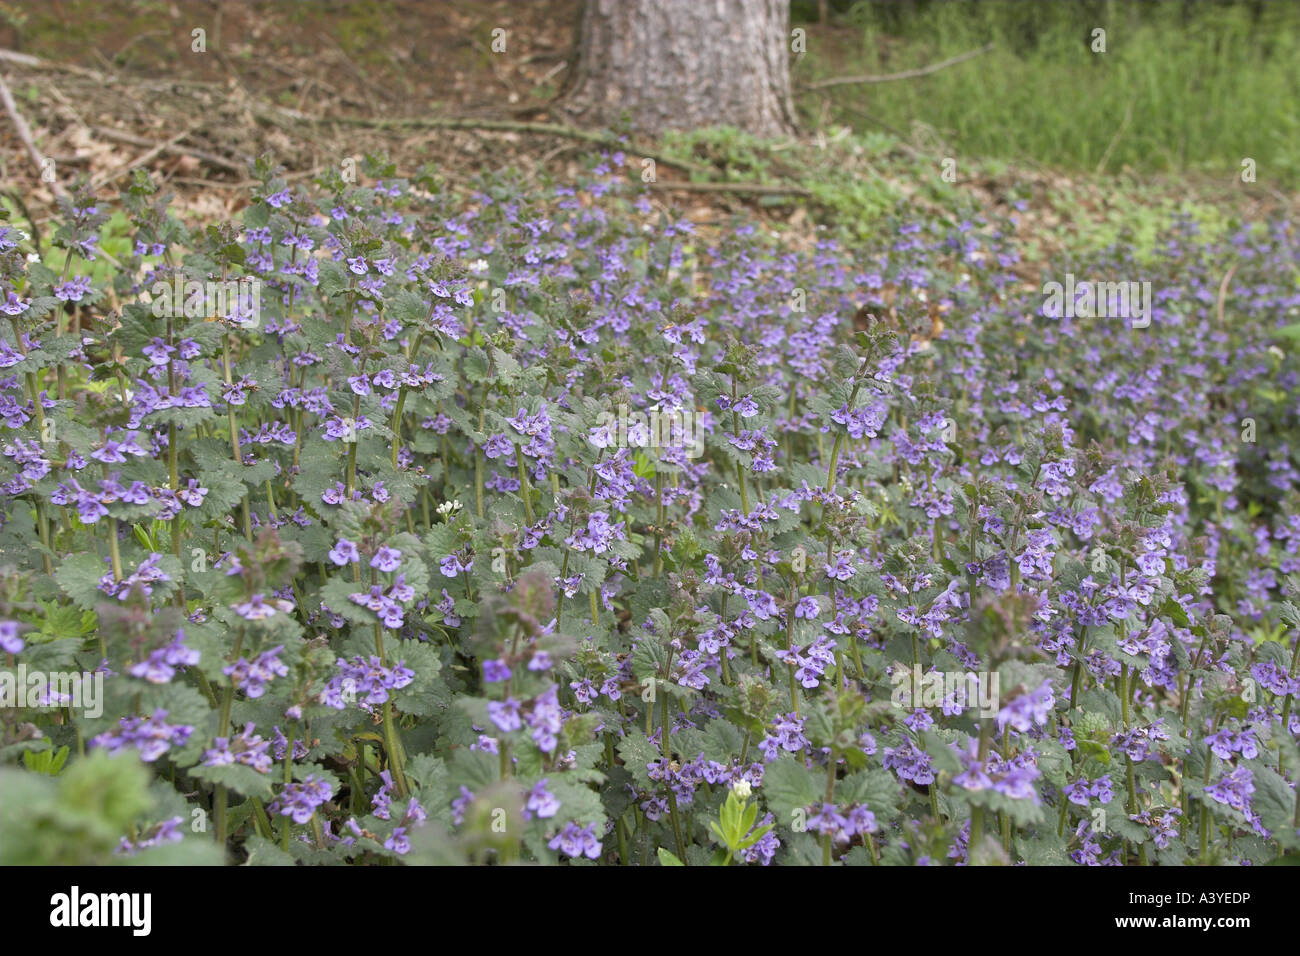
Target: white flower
(742,789)
(478,266)
(449,507)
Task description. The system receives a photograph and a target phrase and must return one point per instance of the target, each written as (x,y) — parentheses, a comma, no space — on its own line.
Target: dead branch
(172,148)
(142,159)
(36,63)
(756,189)
(25,134)
(1223,293)
(905,75)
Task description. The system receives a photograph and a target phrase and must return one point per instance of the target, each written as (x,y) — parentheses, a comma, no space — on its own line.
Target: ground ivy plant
(401,524)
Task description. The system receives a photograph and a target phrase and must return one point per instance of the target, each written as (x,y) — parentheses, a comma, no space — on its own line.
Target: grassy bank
(1180,87)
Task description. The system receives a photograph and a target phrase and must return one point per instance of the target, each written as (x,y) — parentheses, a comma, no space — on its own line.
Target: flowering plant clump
(366,574)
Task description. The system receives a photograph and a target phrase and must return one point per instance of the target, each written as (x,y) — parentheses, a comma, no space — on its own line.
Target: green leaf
(331,279)
(78,575)
(262,852)
(723,837)
(407,307)
(637,753)
(789,786)
(237,777)
(754,837)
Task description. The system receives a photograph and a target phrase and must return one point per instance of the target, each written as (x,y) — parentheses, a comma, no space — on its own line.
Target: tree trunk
(684,64)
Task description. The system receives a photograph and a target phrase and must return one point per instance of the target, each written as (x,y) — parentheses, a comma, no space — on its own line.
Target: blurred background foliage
(1183,85)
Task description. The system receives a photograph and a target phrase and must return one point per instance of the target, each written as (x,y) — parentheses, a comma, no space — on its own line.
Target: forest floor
(116,86)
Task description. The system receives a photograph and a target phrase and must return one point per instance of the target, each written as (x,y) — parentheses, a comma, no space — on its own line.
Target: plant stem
(523,484)
(977,812)
(234,437)
(830,797)
(839,436)
(287,823)
(396,427)
(659,521)
(223,730)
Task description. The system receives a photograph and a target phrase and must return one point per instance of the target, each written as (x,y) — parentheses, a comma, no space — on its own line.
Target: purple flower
(386,559)
(257,608)
(344,552)
(764,851)
(541,802)
(158,352)
(10,642)
(497,445)
(575,841)
(495,671)
(505,714)
(160,666)
(547,719)
(192,494)
(168,831)
(152,736)
(843,568)
(299,801)
(364,681)
(599,535)
(253,677)
(13,305)
(825,819)
(807,608)
(1027,710)
(74,290)
(246,748)
(910,763)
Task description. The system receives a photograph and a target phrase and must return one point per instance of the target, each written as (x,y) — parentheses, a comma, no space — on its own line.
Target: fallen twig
(905,75)
(36,63)
(25,134)
(759,189)
(106,178)
(1223,292)
(212,159)
(213,183)
(1114,140)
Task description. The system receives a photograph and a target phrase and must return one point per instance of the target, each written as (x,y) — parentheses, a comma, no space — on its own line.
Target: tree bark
(684,64)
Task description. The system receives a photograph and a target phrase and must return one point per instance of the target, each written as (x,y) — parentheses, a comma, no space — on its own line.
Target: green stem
(234,437)
(977,812)
(523,484)
(659,520)
(174,480)
(223,730)
(396,427)
(287,823)
(839,436)
(830,797)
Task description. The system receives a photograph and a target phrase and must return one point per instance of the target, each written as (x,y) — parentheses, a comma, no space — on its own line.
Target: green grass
(1203,85)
